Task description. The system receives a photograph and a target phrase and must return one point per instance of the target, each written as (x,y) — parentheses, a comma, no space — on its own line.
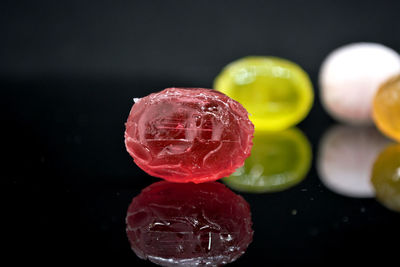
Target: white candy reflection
(345,159)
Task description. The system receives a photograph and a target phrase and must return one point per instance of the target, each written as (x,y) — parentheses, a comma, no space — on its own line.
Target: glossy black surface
(68,74)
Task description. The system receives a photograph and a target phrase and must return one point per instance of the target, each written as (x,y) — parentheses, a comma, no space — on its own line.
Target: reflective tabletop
(321,192)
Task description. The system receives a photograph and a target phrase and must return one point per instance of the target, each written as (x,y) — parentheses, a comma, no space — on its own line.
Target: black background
(68,73)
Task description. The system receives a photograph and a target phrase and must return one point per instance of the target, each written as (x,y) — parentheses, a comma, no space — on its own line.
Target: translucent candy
(188,134)
(386,108)
(277,93)
(176,224)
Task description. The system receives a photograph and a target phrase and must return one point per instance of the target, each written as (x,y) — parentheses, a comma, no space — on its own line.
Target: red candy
(187,224)
(188,134)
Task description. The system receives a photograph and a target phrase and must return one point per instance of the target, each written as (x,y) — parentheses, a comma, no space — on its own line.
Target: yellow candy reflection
(386,177)
(277,93)
(278,161)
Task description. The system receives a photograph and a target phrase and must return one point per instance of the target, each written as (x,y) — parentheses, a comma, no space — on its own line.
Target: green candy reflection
(278,161)
(386,177)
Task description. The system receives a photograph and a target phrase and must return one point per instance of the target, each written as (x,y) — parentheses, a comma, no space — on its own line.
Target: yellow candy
(386,177)
(277,93)
(386,108)
(278,161)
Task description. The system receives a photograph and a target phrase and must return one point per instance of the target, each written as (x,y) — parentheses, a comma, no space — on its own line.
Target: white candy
(351,75)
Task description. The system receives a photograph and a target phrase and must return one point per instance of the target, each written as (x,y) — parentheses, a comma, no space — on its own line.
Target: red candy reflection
(188,134)
(187,224)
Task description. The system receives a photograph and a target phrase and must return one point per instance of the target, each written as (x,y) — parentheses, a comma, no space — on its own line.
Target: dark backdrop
(68,73)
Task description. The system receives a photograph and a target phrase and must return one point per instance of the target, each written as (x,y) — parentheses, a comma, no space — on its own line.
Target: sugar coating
(350,76)
(188,134)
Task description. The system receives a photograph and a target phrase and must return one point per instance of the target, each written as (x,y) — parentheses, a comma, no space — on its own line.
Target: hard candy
(386,177)
(186,224)
(350,76)
(277,93)
(386,108)
(278,161)
(188,134)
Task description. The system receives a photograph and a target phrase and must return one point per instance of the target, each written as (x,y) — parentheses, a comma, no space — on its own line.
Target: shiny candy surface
(386,109)
(277,93)
(188,134)
(386,177)
(175,224)
(350,76)
(278,161)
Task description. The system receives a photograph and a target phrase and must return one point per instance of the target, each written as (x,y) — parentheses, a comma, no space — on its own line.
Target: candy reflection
(345,159)
(278,161)
(186,224)
(386,177)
